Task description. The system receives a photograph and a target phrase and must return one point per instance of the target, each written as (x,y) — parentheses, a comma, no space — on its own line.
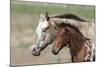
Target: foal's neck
(78,44)
(76,35)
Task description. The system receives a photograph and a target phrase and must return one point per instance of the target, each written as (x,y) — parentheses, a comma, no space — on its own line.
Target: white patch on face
(42,26)
(41,35)
(40,30)
(41,43)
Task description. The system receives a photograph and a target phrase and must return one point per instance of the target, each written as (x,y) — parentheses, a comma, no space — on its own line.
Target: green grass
(35,8)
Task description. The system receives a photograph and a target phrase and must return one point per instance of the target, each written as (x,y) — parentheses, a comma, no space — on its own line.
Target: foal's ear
(66,28)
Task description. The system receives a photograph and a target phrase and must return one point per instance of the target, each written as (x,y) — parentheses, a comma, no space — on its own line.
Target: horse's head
(41,32)
(60,40)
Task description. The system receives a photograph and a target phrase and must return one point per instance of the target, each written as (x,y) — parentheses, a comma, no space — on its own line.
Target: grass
(35,8)
(25,16)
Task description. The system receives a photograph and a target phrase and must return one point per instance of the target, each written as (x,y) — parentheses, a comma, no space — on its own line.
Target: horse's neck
(76,40)
(86,28)
(83,46)
(89,51)
(80,53)
(86,51)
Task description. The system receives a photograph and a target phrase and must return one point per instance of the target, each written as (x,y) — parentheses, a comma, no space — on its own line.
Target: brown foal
(71,37)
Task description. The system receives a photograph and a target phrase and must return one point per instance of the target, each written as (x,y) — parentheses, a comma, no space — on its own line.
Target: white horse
(46,30)
(44,36)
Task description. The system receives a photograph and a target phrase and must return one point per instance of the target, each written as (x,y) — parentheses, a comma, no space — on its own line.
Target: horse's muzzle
(36,52)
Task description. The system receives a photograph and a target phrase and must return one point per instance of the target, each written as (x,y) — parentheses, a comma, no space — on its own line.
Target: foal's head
(67,35)
(62,37)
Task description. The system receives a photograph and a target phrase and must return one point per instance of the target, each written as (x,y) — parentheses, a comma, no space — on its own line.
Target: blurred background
(24,20)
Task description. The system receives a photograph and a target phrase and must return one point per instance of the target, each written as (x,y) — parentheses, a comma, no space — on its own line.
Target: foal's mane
(69,16)
(62,25)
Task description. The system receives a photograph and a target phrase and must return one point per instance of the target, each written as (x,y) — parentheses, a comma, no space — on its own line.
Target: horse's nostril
(33,50)
(36,52)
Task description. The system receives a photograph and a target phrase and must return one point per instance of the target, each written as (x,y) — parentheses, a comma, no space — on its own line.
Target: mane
(73,27)
(70,16)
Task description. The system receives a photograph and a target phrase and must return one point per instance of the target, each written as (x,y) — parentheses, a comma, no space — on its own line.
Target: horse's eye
(44,30)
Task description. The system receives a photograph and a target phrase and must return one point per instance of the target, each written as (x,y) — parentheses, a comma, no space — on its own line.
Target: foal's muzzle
(55,51)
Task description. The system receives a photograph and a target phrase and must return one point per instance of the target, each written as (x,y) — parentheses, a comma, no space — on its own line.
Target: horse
(46,29)
(80,47)
(45,35)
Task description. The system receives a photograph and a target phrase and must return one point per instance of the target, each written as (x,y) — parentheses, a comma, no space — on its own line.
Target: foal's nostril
(54,52)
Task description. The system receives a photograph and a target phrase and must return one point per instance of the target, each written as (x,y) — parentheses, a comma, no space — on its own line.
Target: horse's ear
(42,16)
(47,17)
(46,13)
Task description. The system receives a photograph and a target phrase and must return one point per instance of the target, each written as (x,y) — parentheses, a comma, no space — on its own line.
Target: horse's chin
(36,52)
